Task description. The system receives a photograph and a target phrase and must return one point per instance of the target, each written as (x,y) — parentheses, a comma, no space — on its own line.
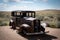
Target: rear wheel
(22,31)
(13,27)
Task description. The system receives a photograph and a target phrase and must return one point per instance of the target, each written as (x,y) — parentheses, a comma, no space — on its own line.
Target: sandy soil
(9,34)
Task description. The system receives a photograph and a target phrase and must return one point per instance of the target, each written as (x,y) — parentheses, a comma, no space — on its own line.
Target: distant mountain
(48,11)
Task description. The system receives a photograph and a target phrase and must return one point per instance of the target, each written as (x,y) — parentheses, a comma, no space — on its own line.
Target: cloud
(27,2)
(41,0)
(11,1)
(15,7)
(16,0)
(2,5)
(21,1)
(45,0)
(5,6)
(5,0)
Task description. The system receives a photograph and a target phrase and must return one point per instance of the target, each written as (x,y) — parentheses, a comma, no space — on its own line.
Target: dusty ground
(9,34)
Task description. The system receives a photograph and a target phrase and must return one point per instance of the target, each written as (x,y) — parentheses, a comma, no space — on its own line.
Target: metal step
(37,33)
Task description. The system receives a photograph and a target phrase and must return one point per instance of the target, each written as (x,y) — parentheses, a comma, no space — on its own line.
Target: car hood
(29,18)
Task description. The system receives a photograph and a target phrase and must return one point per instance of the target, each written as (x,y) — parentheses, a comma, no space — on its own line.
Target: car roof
(25,11)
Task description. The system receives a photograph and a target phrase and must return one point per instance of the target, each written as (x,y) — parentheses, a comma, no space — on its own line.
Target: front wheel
(10,24)
(24,32)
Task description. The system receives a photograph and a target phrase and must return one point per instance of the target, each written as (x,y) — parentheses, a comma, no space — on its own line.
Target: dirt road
(9,34)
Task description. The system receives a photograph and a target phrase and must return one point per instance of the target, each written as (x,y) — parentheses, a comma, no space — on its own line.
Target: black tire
(13,27)
(24,32)
(9,23)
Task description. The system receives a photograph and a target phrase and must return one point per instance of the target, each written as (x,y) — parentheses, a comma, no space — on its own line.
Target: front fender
(10,23)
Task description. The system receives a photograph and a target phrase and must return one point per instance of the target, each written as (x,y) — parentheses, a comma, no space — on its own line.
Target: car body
(26,22)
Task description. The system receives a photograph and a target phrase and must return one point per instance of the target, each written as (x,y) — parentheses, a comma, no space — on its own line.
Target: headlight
(43,25)
(11,20)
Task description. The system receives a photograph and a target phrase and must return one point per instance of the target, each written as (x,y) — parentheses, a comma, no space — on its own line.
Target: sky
(10,5)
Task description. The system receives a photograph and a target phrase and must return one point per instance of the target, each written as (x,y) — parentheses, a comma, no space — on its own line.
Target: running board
(36,33)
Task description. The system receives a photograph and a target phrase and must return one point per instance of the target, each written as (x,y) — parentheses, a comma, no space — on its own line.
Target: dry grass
(39,14)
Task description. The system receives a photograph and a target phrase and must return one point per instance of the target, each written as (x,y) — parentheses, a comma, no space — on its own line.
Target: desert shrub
(3,23)
(40,17)
(52,24)
(58,24)
(1,15)
(51,16)
(58,18)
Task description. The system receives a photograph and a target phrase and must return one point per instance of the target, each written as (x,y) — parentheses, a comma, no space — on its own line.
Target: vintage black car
(26,23)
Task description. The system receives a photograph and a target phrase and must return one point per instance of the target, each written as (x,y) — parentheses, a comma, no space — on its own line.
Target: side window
(13,14)
(30,14)
(27,14)
(18,13)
